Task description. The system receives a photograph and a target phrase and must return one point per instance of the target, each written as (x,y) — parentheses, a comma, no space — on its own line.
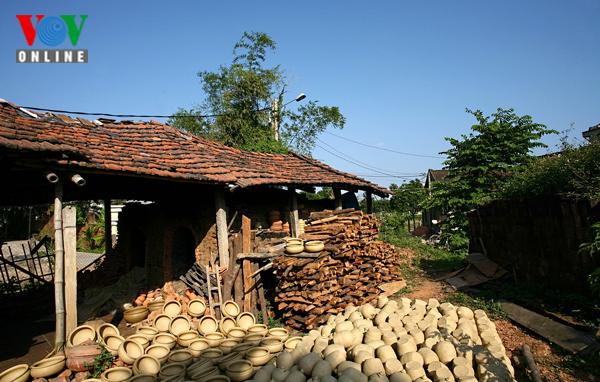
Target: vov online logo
(51,31)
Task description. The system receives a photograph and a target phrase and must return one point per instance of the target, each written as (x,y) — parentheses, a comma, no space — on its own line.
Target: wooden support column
(108,244)
(294,222)
(369,196)
(222,239)
(246,264)
(69,216)
(337,198)
(59,281)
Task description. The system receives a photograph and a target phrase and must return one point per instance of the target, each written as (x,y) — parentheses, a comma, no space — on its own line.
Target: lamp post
(275,113)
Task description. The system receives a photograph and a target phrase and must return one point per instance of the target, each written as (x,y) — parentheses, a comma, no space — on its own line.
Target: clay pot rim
(149,356)
(240,362)
(106,372)
(192,332)
(263,349)
(284,330)
(231,303)
(220,336)
(135,310)
(106,325)
(14,368)
(139,376)
(51,361)
(147,327)
(158,346)
(172,366)
(79,329)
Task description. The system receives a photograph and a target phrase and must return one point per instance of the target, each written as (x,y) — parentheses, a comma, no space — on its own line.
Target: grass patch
(491,307)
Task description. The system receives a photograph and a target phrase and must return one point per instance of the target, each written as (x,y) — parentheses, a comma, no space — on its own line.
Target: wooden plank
(70,243)
(222,237)
(294,221)
(238,287)
(246,264)
(108,245)
(564,336)
(261,299)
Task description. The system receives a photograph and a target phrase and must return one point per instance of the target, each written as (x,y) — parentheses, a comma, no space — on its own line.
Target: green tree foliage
(480,162)
(238,99)
(407,199)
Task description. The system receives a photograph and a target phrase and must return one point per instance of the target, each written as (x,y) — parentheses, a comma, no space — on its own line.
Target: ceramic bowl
(112,343)
(134,315)
(314,246)
(246,320)
(226,324)
(185,339)
(129,351)
(197,346)
(229,358)
(281,333)
(231,309)
(81,334)
(116,374)
(48,367)
(227,344)
(179,324)
(18,373)
(142,378)
(258,355)
(166,339)
(217,378)
(196,307)
(107,329)
(241,348)
(211,353)
(291,343)
(171,369)
(294,241)
(201,364)
(172,308)
(140,339)
(236,333)
(146,364)
(181,356)
(214,339)
(274,344)
(161,322)
(159,351)
(294,248)
(208,324)
(240,370)
(253,338)
(202,374)
(147,331)
(156,305)
(258,328)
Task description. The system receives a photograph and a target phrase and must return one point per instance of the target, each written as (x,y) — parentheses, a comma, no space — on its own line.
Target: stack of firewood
(349,270)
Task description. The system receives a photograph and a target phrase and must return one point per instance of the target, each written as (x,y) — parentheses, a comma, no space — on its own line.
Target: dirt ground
(550,360)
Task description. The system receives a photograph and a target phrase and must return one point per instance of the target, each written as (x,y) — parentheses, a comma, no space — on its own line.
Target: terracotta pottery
(179,324)
(116,374)
(147,331)
(80,357)
(201,364)
(218,378)
(211,353)
(231,309)
(161,322)
(142,378)
(246,320)
(18,373)
(445,351)
(294,248)
(214,339)
(314,246)
(258,355)
(159,351)
(140,339)
(227,344)
(203,374)
(253,338)
(240,370)
(236,333)
(107,329)
(129,351)
(294,241)
(172,308)
(48,367)
(183,356)
(137,314)
(208,324)
(226,324)
(197,346)
(174,378)
(147,365)
(229,358)
(274,344)
(81,334)
(196,307)
(281,333)
(166,339)
(184,339)
(258,328)
(241,348)
(156,305)
(292,342)
(171,369)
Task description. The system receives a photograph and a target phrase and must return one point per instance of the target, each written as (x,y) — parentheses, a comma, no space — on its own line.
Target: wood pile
(349,270)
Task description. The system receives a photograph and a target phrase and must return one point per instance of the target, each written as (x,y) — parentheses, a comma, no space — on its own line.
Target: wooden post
(369,202)
(337,198)
(238,286)
(294,222)
(108,245)
(69,216)
(246,265)
(222,239)
(59,281)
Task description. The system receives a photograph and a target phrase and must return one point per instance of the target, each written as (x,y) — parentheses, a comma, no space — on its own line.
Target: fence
(24,264)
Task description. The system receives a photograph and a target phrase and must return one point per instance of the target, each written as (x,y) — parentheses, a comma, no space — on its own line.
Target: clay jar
(445,351)
(281,333)
(196,307)
(258,355)
(159,351)
(81,334)
(166,339)
(172,308)
(129,351)
(208,324)
(48,367)
(146,364)
(231,309)
(116,374)
(79,358)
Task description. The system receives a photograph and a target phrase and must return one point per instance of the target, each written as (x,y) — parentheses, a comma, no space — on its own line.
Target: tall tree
(238,101)
(407,199)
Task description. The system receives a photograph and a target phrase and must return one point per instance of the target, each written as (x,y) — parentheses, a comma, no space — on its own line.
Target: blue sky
(402,72)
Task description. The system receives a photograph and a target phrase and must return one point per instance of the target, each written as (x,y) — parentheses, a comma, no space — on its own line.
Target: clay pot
(294,241)
(172,308)
(258,355)
(140,339)
(231,309)
(214,339)
(211,353)
(166,339)
(258,328)
(274,344)
(314,246)
(129,351)
(197,346)
(185,339)
(196,307)
(147,331)
(79,358)
(112,343)
(208,324)
(159,351)
(18,373)
(445,351)
(224,361)
(137,314)
(405,344)
(240,370)
(146,364)
(227,344)
(156,305)
(179,324)
(294,248)
(202,364)
(142,378)
(292,342)
(281,333)
(107,329)
(203,374)
(241,348)
(226,324)
(217,378)
(385,353)
(181,356)
(116,374)
(161,322)
(344,338)
(81,334)
(171,370)
(236,333)
(253,338)
(48,367)
(246,320)
(414,370)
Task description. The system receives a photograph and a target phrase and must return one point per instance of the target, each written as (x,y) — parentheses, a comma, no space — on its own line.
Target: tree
(237,104)
(480,162)
(407,199)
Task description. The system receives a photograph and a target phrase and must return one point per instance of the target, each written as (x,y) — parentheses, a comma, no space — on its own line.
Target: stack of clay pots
(395,341)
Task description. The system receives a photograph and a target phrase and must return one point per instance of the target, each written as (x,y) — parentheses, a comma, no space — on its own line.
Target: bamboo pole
(70,263)
(59,281)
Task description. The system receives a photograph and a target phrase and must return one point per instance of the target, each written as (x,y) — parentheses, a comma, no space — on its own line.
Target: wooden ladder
(211,289)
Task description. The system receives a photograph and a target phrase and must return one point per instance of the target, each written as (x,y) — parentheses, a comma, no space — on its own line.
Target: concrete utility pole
(275,118)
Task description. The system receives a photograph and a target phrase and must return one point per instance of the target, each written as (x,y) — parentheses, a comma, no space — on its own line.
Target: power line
(383,148)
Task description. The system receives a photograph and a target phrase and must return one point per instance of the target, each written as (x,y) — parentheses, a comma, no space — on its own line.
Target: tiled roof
(437,175)
(156,149)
